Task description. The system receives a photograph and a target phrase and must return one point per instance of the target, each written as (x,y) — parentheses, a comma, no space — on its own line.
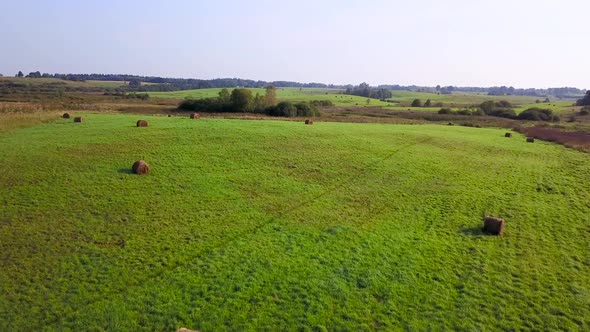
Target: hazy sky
(523,43)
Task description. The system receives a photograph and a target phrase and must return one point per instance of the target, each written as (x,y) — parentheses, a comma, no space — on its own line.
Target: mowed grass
(275,225)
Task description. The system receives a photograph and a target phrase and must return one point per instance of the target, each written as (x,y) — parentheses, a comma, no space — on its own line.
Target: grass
(274,225)
(557,107)
(283,94)
(401,99)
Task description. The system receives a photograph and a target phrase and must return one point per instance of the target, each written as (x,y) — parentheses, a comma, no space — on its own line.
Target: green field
(401,99)
(283,94)
(275,225)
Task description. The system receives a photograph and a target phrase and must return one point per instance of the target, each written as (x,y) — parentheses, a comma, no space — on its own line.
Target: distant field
(89,83)
(284,94)
(275,225)
(401,99)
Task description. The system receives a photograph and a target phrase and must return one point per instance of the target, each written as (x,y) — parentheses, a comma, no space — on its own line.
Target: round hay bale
(66,115)
(195,116)
(78,119)
(309,121)
(530,140)
(142,123)
(140,167)
(493,225)
(169,115)
(508,135)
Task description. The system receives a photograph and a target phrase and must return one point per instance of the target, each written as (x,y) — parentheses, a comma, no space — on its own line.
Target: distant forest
(378,92)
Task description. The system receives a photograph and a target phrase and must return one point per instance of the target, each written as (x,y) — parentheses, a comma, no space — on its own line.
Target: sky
(520,43)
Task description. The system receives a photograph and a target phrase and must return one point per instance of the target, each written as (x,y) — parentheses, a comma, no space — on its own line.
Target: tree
(417,103)
(584,101)
(427,103)
(134,82)
(224,96)
(20,74)
(241,100)
(270,98)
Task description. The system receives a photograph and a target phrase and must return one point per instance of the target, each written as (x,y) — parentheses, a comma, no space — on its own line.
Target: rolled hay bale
(142,123)
(169,115)
(195,116)
(508,135)
(78,119)
(140,167)
(530,140)
(66,115)
(493,225)
(309,121)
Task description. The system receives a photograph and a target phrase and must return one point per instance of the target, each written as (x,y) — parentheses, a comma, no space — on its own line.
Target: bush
(503,113)
(464,112)
(322,103)
(417,103)
(585,110)
(202,105)
(307,110)
(503,104)
(584,101)
(284,108)
(445,111)
(538,114)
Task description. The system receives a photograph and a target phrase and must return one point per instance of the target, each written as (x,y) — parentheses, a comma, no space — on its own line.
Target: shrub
(538,114)
(322,103)
(504,113)
(503,104)
(417,103)
(445,111)
(585,110)
(585,101)
(305,109)
(464,112)
(283,108)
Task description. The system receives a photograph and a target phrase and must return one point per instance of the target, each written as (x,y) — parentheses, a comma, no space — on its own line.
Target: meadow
(400,101)
(275,225)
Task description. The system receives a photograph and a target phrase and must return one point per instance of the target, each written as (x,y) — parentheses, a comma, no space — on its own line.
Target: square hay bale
(508,135)
(493,225)
(309,121)
(530,140)
(78,119)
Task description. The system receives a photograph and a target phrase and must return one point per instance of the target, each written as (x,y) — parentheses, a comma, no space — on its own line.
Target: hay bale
(508,135)
(309,121)
(493,225)
(140,167)
(169,115)
(195,116)
(142,123)
(530,140)
(78,119)
(66,115)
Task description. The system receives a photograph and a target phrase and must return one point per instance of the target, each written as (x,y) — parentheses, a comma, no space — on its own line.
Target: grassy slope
(402,99)
(287,94)
(253,224)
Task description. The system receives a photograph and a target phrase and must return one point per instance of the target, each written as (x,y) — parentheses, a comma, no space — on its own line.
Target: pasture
(400,101)
(275,225)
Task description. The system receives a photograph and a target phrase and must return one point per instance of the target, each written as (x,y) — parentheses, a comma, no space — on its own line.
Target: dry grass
(20,119)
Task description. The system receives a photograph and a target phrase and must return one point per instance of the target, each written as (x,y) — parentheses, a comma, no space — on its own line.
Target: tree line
(378,92)
(244,100)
